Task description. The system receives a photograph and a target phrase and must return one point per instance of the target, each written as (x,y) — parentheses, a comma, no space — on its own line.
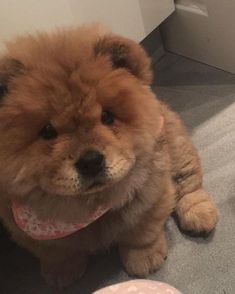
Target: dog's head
(76,112)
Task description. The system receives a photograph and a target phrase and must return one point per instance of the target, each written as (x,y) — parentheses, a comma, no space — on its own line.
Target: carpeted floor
(205,98)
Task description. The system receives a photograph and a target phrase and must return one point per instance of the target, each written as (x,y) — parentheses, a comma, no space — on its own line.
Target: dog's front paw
(145,260)
(197,215)
(62,274)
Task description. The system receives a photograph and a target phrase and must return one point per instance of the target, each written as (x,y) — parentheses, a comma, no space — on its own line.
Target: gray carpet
(205,98)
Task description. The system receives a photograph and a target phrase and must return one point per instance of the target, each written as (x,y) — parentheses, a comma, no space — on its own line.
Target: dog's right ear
(126,54)
(9,68)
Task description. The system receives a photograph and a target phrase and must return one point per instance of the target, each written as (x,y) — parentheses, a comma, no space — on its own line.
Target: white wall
(131,18)
(123,16)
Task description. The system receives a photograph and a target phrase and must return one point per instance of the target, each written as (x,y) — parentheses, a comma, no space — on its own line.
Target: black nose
(90,163)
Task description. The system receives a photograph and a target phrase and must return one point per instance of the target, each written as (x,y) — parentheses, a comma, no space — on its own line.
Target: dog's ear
(9,68)
(125,53)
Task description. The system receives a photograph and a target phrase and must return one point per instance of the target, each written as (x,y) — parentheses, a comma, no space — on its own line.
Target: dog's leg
(143,260)
(195,211)
(60,269)
(143,249)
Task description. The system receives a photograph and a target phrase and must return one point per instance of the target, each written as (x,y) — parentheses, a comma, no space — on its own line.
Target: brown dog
(89,157)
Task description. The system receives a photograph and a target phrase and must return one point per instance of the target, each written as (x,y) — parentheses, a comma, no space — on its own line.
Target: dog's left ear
(125,53)
(9,68)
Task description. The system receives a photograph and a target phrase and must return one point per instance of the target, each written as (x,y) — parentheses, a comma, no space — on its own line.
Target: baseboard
(154,46)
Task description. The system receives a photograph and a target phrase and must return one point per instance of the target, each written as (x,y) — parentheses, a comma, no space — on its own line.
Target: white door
(132,18)
(203,30)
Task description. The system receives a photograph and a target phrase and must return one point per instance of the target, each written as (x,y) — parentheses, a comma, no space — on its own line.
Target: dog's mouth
(96,185)
(74,185)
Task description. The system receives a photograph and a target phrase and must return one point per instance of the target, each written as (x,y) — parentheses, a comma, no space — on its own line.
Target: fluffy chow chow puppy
(89,157)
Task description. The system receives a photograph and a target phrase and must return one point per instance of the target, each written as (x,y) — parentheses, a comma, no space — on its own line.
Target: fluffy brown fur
(67,78)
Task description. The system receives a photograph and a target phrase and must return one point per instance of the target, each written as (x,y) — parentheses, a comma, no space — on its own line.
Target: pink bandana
(28,221)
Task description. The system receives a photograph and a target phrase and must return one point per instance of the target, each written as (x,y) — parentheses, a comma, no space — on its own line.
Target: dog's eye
(107,117)
(3,90)
(48,132)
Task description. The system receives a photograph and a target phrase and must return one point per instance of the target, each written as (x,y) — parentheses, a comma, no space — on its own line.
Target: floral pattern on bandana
(28,221)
